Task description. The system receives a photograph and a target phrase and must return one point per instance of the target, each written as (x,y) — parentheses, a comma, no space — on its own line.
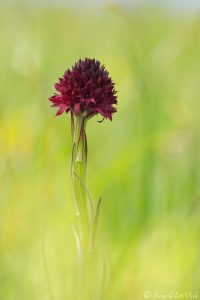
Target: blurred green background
(145,164)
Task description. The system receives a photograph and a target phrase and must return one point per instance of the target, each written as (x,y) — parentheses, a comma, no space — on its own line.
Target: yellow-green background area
(145,164)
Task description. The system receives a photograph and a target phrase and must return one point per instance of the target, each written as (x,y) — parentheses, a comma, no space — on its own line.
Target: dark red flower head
(85,89)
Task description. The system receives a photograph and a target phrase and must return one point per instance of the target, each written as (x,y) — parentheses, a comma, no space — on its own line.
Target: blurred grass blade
(50,289)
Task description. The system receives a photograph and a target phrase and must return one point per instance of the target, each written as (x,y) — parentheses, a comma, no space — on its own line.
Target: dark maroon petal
(60,111)
(56,99)
(92,100)
(76,108)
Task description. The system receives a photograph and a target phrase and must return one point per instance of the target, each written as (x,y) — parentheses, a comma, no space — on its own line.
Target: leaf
(88,194)
(95,222)
(78,247)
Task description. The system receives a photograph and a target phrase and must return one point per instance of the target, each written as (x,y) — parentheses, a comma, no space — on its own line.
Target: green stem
(79,165)
(87,216)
